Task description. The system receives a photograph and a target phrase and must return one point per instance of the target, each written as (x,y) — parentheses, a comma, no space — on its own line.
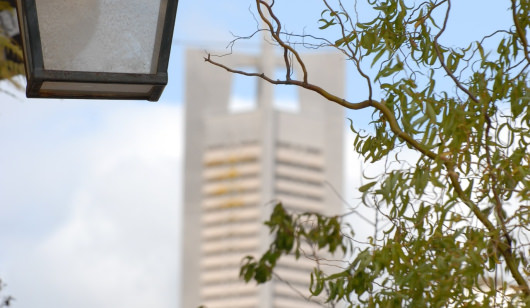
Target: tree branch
(331,97)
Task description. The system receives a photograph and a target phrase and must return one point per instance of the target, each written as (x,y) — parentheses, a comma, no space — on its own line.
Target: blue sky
(90,191)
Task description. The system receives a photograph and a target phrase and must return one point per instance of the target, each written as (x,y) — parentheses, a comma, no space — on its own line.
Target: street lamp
(108,49)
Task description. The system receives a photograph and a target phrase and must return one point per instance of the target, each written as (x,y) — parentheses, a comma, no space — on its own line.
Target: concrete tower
(237,163)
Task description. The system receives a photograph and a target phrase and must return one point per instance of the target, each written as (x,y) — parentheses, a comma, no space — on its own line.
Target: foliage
(457,213)
(5,301)
(11,56)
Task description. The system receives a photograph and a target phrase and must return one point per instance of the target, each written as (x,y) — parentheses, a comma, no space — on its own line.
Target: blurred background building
(238,161)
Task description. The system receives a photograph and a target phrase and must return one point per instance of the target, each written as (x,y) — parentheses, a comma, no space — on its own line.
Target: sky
(90,191)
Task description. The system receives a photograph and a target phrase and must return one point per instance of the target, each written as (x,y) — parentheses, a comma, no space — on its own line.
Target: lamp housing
(96,49)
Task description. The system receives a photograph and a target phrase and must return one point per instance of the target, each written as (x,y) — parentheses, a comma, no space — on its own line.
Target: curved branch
(352,52)
(331,97)
(276,34)
(440,57)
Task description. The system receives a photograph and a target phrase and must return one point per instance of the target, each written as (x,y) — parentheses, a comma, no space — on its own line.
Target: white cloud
(90,195)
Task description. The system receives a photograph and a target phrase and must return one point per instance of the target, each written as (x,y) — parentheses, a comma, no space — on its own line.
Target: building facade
(238,163)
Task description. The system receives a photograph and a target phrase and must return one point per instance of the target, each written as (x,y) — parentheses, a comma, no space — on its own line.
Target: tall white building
(237,163)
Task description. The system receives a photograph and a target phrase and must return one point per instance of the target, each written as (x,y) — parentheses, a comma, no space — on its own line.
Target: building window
(286,96)
(244,92)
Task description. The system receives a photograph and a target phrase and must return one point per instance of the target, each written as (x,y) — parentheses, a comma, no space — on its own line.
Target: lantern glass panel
(114,36)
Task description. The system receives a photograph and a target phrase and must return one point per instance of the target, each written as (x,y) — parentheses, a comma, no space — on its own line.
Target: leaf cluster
(290,233)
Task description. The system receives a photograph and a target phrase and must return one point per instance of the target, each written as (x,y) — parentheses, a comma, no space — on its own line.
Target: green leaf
(366,187)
